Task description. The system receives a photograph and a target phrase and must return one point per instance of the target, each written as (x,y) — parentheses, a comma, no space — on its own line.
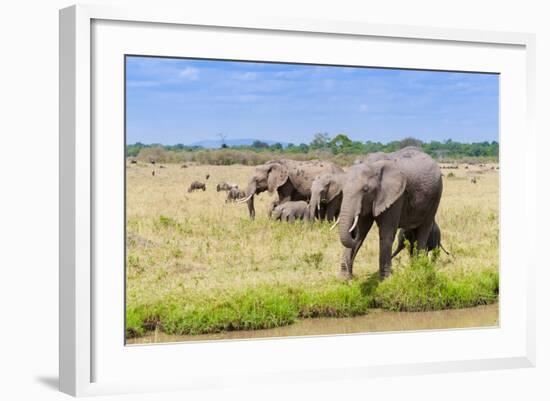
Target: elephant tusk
(319,206)
(245,199)
(335,224)
(354,223)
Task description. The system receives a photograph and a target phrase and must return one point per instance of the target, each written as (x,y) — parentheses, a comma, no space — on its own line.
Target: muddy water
(375,321)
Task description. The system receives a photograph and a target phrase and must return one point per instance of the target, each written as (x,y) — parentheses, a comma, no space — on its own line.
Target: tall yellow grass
(187,246)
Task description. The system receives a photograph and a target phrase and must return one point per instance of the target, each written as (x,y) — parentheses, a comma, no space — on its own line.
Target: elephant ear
(333,190)
(278,174)
(392,184)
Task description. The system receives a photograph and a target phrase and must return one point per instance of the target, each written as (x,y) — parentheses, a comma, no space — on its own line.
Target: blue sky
(173,101)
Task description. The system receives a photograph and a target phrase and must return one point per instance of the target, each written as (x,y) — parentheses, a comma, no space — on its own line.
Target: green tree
(259,145)
(340,143)
(410,141)
(320,140)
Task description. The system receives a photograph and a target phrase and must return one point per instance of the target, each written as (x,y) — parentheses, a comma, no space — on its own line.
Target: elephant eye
(366,188)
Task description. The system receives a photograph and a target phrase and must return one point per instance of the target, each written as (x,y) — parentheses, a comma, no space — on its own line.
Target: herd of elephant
(399,190)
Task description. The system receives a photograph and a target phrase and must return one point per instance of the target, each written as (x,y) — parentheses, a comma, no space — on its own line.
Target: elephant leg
(331,212)
(410,236)
(400,246)
(424,231)
(387,228)
(346,265)
(284,215)
(251,210)
(423,235)
(291,218)
(323,212)
(434,239)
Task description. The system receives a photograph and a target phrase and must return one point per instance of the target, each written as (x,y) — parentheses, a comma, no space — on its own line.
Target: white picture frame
(85,355)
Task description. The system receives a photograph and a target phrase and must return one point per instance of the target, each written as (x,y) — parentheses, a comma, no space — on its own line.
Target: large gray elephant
(326,196)
(290,178)
(395,190)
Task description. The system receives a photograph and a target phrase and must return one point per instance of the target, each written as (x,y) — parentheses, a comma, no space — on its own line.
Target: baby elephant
(434,240)
(195,185)
(291,211)
(234,194)
(225,186)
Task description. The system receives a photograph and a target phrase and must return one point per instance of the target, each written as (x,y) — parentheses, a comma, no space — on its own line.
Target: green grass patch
(418,286)
(256,308)
(422,287)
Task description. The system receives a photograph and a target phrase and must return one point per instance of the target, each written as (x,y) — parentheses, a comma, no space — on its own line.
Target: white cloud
(247,76)
(190,73)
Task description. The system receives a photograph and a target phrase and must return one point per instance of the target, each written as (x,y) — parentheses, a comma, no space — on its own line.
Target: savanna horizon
(339,149)
(196,264)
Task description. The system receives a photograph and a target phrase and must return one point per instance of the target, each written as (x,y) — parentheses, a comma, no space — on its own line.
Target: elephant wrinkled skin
(234,194)
(291,211)
(291,179)
(326,196)
(395,190)
(433,242)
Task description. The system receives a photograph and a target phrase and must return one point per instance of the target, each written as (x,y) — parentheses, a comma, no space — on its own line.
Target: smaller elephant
(226,186)
(326,196)
(272,207)
(234,194)
(195,185)
(291,211)
(434,240)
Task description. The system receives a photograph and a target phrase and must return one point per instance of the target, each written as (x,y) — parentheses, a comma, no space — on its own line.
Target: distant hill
(217,143)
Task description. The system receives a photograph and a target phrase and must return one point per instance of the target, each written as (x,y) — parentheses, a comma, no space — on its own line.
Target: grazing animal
(290,178)
(272,207)
(225,186)
(234,194)
(152,161)
(326,196)
(396,190)
(207,176)
(183,166)
(433,242)
(133,161)
(196,185)
(161,166)
(473,180)
(291,211)
(153,173)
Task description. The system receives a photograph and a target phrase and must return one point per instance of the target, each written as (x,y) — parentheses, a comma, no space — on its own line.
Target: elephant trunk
(313,205)
(250,192)
(348,224)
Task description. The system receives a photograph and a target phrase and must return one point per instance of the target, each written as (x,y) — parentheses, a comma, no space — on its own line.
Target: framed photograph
(278,200)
